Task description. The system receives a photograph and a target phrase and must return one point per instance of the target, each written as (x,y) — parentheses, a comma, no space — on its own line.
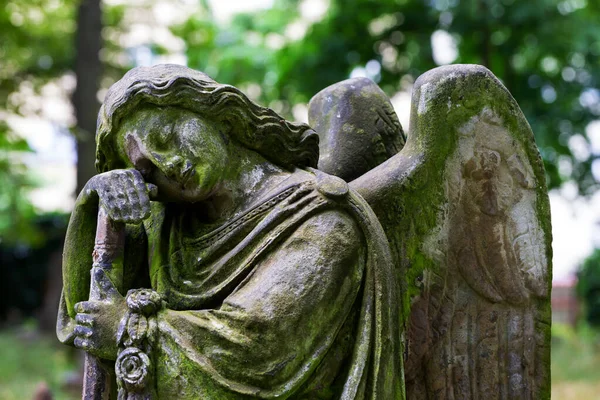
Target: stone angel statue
(246,273)
(221,253)
(464,206)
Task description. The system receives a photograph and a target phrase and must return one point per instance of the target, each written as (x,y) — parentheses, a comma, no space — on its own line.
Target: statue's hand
(98,321)
(123,194)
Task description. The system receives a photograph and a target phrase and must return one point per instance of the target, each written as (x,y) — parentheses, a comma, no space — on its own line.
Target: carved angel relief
(491,259)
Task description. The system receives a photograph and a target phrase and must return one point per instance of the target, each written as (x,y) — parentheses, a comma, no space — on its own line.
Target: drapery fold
(295,298)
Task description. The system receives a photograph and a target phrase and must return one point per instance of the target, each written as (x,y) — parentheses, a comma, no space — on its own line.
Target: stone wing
(466,211)
(357,126)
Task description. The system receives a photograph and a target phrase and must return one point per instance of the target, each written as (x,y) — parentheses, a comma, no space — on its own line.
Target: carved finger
(142,211)
(122,196)
(135,205)
(106,288)
(124,204)
(152,190)
(134,209)
(84,319)
(86,307)
(137,178)
(140,183)
(108,201)
(81,343)
(107,196)
(127,213)
(123,207)
(139,213)
(142,198)
(118,207)
(83,331)
(141,186)
(124,175)
(114,212)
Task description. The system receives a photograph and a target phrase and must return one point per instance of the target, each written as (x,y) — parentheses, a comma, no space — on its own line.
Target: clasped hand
(125,197)
(98,321)
(123,193)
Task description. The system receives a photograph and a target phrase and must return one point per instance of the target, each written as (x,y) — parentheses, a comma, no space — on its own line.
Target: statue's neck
(248,179)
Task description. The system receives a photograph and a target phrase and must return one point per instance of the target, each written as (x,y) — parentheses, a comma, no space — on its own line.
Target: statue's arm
(276,327)
(77,252)
(102,190)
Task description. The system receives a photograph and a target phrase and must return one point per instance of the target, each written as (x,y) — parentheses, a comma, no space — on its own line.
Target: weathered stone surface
(466,210)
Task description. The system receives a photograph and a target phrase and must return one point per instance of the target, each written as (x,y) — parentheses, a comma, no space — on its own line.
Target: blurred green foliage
(36,43)
(16,212)
(547,52)
(34,49)
(575,355)
(28,360)
(575,362)
(37,47)
(588,287)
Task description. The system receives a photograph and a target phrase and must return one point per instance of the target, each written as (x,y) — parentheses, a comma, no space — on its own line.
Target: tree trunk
(88,70)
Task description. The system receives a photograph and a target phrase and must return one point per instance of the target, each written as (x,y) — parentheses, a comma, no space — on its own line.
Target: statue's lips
(157,176)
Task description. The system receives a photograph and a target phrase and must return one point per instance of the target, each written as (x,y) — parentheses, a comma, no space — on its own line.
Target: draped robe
(294,298)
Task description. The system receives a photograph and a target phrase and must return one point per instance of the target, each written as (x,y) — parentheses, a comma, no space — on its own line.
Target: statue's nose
(187,171)
(173,166)
(179,169)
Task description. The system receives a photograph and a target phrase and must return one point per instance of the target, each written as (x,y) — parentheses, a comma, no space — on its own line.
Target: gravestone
(218,256)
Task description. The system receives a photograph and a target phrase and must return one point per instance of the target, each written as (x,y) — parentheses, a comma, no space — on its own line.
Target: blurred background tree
(588,288)
(58,57)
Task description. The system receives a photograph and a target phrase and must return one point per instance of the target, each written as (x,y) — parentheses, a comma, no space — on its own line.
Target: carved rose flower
(144,301)
(132,369)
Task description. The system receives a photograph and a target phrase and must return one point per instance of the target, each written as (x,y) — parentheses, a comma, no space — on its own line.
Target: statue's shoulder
(348,203)
(330,186)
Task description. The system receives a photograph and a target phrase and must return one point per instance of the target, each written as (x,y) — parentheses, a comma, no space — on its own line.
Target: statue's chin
(177,194)
(172,191)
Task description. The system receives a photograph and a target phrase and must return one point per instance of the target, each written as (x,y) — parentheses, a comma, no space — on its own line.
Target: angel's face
(182,153)
(489,182)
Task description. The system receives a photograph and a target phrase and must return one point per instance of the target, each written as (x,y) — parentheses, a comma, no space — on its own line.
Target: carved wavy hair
(261,129)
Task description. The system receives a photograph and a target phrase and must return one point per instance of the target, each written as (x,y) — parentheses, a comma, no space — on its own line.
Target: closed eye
(164,136)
